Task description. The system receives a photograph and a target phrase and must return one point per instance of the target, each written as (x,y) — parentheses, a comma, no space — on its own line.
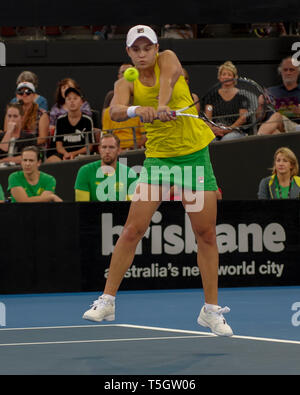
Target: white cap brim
(28,85)
(140,31)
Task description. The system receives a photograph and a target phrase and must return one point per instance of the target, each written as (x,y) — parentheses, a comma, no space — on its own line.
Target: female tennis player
(172,142)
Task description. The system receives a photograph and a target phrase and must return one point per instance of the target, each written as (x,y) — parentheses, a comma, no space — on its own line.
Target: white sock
(109,297)
(211,307)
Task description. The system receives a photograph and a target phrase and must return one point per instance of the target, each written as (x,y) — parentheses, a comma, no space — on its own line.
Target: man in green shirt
(2,197)
(30,184)
(106,179)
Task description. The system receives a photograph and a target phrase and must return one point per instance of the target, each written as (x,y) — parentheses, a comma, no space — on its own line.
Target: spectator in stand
(286,99)
(30,184)
(29,76)
(60,108)
(130,132)
(73,129)
(14,139)
(284,183)
(106,179)
(2,197)
(35,119)
(226,104)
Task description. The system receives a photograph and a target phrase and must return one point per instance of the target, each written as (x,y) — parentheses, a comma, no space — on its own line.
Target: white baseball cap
(140,31)
(28,85)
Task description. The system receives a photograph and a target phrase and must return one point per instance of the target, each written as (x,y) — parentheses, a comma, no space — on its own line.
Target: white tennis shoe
(102,309)
(215,321)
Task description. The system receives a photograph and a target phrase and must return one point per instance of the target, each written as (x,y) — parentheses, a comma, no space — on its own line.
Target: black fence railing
(91,142)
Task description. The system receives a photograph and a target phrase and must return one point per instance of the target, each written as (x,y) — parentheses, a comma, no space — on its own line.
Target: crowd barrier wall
(239,165)
(66,247)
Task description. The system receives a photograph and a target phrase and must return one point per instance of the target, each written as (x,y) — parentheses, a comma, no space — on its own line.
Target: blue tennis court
(155,333)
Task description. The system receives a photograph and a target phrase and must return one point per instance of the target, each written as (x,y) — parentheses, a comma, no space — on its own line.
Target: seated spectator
(60,108)
(286,100)
(130,132)
(106,179)
(14,139)
(183,31)
(73,129)
(30,184)
(2,197)
(262,30)
(29,76)
(226,105)
(284,183)
(35,120)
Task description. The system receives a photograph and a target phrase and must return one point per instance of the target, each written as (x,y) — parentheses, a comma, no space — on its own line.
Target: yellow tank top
(174,138)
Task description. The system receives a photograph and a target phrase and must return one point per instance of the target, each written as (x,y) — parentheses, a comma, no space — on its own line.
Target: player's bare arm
(170,71)
(123,92)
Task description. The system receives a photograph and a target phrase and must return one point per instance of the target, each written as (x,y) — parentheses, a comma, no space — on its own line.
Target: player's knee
(132,233)
(206,235)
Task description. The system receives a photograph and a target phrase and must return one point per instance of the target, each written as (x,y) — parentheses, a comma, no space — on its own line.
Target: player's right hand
(147,114)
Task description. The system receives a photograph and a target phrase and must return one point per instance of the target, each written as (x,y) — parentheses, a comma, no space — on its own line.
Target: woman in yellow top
(130,132)
(176,154)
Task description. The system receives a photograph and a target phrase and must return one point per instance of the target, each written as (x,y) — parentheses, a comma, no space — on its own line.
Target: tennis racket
(248,107)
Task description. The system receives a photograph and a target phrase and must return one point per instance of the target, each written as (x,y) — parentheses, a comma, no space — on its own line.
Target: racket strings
(246,104)
(250,104)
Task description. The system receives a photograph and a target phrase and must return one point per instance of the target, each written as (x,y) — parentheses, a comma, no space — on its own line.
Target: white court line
(29,328)
(100,340)
(200,334)
(266,339)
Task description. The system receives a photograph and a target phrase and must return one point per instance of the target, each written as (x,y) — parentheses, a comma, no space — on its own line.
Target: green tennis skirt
(193,171)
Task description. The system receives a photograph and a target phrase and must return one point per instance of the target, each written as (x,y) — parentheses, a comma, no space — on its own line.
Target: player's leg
(204,227)
(140,213)
(139,217)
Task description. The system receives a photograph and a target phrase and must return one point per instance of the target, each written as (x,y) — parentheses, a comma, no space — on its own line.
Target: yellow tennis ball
(131,74)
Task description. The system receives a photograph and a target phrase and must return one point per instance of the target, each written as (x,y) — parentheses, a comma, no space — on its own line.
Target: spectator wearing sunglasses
(35,119)
(29,76)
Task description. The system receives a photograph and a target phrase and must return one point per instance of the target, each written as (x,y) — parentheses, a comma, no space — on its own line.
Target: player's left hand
(164,114)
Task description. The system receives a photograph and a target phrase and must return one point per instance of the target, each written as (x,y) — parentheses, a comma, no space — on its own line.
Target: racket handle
(172,113)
